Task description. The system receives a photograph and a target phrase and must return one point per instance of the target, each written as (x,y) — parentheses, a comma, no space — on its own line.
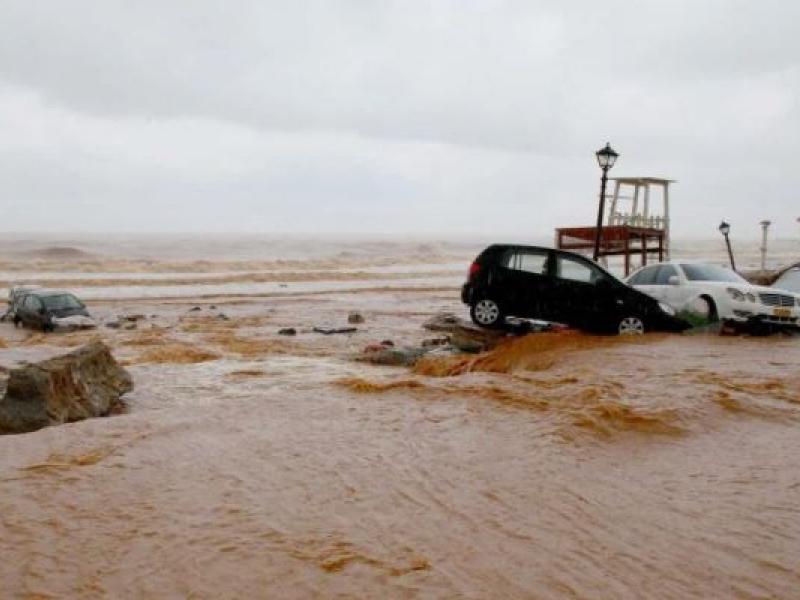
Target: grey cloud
(355,108)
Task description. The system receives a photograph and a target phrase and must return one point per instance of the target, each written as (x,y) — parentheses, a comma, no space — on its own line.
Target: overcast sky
(354,116)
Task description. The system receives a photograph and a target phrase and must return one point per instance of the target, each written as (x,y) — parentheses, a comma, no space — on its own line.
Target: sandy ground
(253,465)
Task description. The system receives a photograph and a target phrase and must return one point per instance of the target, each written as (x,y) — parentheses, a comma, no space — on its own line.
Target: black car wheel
(16,321)
(487,313)
(630,325)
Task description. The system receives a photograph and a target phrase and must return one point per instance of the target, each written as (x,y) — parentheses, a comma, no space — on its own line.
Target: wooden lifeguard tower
(633,226)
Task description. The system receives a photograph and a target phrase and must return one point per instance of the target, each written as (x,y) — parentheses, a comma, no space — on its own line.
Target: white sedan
(716,293)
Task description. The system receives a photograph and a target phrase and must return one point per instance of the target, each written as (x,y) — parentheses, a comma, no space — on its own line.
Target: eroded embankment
(599,385)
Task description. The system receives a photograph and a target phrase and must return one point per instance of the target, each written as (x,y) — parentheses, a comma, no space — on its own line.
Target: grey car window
(32,303)
(664,273)
(646,276)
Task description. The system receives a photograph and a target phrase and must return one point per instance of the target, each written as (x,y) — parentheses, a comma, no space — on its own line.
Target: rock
(332,330)
(400,357)
(132,318)
(435,342)
(85,383)
(355,318)
(464,335)
(223,317)
(387,343)
(195,309)
(130,326)
(287,331)
(212,307)
(113,324)
(443,322)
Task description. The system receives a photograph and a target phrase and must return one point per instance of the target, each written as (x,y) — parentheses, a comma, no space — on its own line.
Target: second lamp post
(725,229)
(606,157)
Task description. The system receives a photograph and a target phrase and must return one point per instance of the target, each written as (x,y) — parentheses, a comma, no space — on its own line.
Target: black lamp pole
(605,158)
(724,229)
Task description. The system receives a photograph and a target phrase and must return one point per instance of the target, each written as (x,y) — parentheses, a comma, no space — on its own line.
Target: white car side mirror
(673,280)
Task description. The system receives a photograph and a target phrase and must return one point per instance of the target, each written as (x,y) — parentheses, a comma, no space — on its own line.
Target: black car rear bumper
(466,294)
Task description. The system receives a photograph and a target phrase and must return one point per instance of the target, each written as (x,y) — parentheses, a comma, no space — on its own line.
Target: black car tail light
(474,269)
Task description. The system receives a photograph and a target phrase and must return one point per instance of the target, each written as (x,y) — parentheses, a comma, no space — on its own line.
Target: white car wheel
(486,312)
(631,326)
(702,307)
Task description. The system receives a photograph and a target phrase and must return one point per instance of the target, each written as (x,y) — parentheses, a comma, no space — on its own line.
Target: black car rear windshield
(61,301)
(710,273)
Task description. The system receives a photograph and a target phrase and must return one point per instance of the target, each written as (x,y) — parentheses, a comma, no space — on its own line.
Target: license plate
(782,312)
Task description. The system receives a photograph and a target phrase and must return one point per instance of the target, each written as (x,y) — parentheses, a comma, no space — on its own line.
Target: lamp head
(606,157)
(724,228)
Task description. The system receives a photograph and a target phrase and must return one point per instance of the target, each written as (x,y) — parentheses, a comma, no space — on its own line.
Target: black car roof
(543,248)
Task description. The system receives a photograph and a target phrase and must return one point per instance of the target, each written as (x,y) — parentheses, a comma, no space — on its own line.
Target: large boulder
(85,383)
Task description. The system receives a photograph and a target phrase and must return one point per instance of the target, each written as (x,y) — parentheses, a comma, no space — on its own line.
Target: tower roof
(642,180)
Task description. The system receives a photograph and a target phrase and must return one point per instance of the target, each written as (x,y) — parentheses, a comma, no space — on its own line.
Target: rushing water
(249,465)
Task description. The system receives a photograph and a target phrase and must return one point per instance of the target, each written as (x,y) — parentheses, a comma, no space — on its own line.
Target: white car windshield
(789,281)
(710,273)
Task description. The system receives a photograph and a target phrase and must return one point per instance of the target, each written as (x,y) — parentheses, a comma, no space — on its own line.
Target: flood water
(252,465)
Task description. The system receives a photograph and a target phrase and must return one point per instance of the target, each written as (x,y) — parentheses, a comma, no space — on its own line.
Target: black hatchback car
(559,286)
(37,308)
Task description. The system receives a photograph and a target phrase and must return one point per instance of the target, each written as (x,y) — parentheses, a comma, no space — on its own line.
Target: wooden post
(627,253)
(613,208)
(644,249)
(666,219)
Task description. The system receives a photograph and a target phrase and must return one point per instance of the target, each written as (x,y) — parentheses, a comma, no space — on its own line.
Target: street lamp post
(606,157)
(764,228)
(725,229)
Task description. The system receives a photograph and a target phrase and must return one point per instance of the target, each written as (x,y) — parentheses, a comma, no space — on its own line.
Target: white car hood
(741,286)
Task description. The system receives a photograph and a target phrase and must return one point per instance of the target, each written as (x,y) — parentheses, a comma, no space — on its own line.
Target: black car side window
(577,270)
(529,261)
(533,262)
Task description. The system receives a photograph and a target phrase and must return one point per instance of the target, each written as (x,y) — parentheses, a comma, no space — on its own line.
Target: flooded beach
(249,464)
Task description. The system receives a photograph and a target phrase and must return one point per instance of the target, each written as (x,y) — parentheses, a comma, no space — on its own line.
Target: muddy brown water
(253,466)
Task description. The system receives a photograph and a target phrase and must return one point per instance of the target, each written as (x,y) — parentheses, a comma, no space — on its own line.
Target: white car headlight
(735,294)
(667,309)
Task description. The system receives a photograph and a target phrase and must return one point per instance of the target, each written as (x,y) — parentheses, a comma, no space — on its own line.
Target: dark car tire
(631,325)
(711,314)
(487,313)
(17,321)
(47,327)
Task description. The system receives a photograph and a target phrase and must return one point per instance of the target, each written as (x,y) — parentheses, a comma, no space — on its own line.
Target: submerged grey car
(45,309)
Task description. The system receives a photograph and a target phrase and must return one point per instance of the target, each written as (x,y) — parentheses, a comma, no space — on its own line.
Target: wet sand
(252,465)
